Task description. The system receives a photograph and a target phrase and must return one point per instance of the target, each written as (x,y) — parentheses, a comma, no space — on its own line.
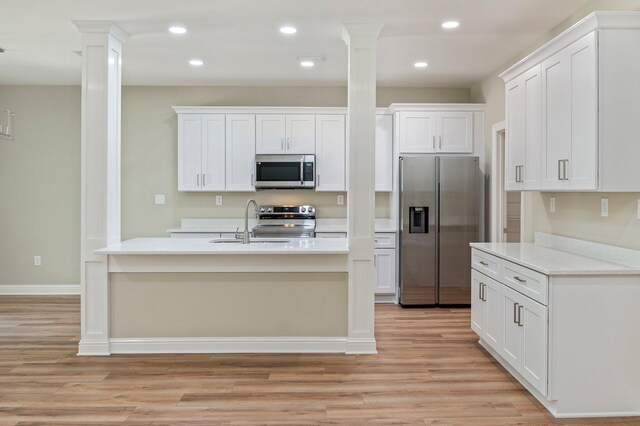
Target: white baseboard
(39,289)
(160,345)
(386,298)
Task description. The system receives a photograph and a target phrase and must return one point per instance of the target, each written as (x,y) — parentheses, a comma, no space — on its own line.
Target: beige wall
(233,304)
(579,220)
(40,186)
(40,170)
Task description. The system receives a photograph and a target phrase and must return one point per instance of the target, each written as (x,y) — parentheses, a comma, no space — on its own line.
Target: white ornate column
(100,174)
(361,40)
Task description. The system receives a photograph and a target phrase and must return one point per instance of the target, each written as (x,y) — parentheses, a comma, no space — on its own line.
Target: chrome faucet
(246,237)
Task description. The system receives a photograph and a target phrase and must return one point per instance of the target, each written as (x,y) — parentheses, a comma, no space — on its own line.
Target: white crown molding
(592,22)
(257,110)
(436,107)
(101,27)
(39,289)
(157,345)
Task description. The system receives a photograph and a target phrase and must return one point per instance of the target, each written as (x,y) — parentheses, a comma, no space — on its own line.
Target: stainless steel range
(286,222)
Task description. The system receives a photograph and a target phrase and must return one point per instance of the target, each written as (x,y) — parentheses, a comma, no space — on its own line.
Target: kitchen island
(173,295)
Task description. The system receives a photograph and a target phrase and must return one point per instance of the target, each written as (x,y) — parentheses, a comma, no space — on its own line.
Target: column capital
(361,35)
(101,27)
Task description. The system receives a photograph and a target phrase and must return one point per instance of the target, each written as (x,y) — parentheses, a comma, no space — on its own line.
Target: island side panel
(594,345)
(158,305)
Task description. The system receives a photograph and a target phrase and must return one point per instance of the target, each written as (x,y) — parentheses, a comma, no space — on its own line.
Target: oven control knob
(310,209)
(269,210)
(262,210)
(302,209)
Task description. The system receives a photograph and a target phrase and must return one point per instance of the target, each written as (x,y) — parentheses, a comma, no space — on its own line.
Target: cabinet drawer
(526,281)
(486,263)
(331,235)
(385,240)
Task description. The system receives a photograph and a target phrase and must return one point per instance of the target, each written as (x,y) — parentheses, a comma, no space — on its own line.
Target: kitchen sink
(254,240)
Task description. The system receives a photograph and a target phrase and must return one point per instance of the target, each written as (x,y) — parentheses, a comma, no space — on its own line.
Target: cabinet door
(213,152)
(384,153)
(330,153)
(478,306)
(417,132)
(240,152)
(270,134)
(581,169)
(189,151)
(385,260)
(493,301)
(455,132)
(532,132)
(534,343)
(556,119)
(514,136)
(511,345)
(301,134)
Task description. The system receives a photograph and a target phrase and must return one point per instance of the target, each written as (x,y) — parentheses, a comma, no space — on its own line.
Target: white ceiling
(240,43)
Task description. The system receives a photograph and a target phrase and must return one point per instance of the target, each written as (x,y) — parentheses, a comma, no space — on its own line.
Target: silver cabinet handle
(198,179)
(434,142)
(282,143)
(559,170)
(252,181)
(517,169)
(440,141)
(204,178)
(318,180)
(564,169)
(484,292)
(520,320)
(520,280)
(480,290)
(483,263)
(516,320)
(288,143)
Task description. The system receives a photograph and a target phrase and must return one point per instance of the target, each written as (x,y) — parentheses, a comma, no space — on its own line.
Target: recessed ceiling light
(449,25)
(196,62)
(177,30)
(421,64)
(307,64)
(288,30)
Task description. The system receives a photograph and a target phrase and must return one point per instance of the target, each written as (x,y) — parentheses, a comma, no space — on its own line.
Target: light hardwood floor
(429,370)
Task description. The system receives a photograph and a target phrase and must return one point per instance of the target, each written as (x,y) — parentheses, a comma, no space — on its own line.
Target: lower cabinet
(385,262)
(485,308)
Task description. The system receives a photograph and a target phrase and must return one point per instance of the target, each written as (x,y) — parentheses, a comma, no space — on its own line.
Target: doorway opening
(506,207)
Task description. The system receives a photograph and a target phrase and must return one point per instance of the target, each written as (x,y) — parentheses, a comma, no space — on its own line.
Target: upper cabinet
(241,152)
(285,134)
(330,153)
(201,152)
(428,129)
(571,115)
(384,153)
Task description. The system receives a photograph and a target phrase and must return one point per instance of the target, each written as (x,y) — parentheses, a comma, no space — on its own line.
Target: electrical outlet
(159,199)
(340,200)
(218,200)
(552,204)
(37,260)
(604,207)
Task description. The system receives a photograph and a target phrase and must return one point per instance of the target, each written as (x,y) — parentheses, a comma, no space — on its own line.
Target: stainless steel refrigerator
(439,216)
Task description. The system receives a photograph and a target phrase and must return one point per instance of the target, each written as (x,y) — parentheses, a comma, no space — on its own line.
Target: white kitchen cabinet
(330,153)
(435,132)
(570,117)
(523,131)
(384,153)
(485,308)
(285,134)
(589,128)
(201,152)
(240,152)
(385,263)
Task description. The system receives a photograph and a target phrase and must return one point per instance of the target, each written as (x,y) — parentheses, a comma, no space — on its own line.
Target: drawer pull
(520,280)
(516,312)
(520,321)
(483,263)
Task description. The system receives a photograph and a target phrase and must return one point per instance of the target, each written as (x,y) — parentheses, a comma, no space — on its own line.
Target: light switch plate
(604,207)
(218,200)
(159,199)
(340,200)
(552,204)
(37,260)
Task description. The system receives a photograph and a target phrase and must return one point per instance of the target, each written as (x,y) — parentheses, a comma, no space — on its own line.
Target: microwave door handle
(302,172)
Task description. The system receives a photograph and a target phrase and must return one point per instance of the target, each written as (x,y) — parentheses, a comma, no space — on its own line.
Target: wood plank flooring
(429,371)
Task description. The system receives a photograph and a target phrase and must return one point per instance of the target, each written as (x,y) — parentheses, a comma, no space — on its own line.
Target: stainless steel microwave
(285,171)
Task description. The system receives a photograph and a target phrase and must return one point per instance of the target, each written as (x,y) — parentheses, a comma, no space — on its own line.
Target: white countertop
(188,225)
(204,246)
(551,261)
